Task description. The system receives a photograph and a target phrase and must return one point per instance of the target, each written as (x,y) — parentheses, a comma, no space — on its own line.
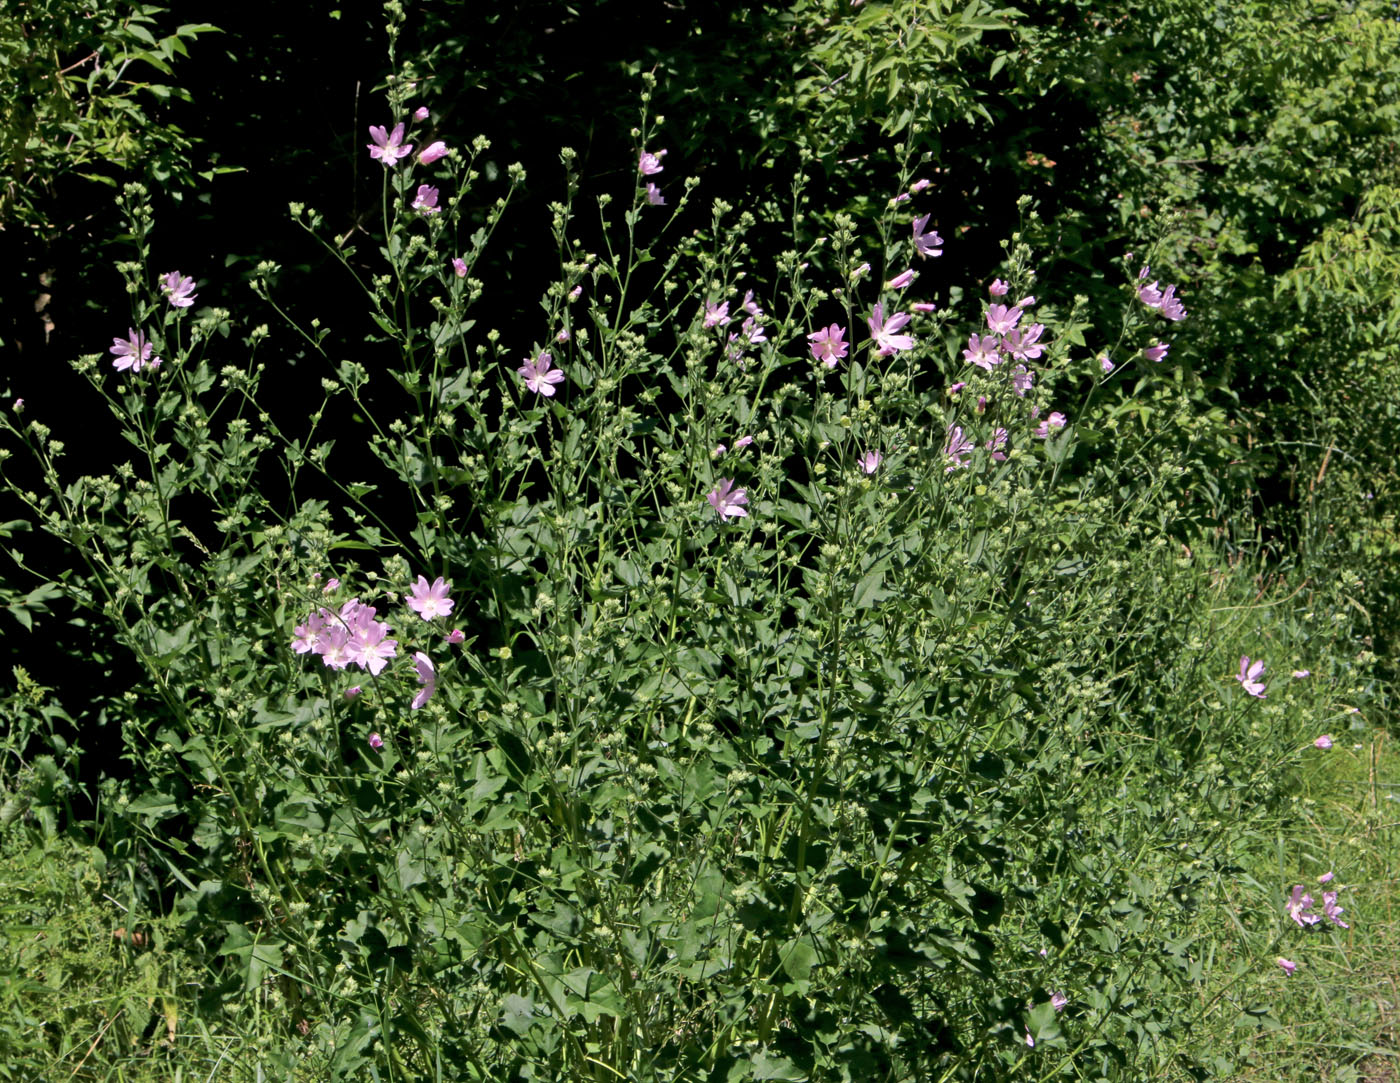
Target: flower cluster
(1300,905)
(351,635)
(1164,301)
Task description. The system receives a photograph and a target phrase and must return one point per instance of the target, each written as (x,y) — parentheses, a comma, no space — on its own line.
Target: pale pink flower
(884,332)
(388,148)
(753,331)
(1288,965)
(918,186)
(924,307)
(1030,1040)
(901,280)
(728,501)
(1156,351)
(1002,319)
(998,288)
(1164,301)
(1331,911)
(870,461)
(997,444)
(1326,877)
(432,152)
(983,352)
(332,584)
(827,345)
(958,448)
(376,742)
(953,389)
(133,352)
(178,289)
(742,442)
(1106,363)
(459,266)
(926,244)
(750,306)
(425,202)
(455,636)
(353,691)
(1055,421)
(897,200)
(306,638)
(539,377)
(562,336)
(1021,380)
(716,315)
(427,677)
(430,602)
(1024,345)
(654,196)
(863,269)
(575,293)
(334,647)
(1324,742)
(1249,675)
(1025,302)
(1299,674)
(1300,907)
(367,645)
(1058,1001)
(421,113)
(649,164)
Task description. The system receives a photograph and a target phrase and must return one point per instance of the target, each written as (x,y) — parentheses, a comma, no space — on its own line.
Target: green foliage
(77,99)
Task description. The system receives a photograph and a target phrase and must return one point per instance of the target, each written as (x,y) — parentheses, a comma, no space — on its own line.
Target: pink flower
(1299,674)
(1300,907)
(1025,302)
(427,677)
(459,266)
(1326,878)
(1324,742)
(901,280)
(1249,676)
(1288,965)
(884,332)
(728,501)
(539,377)
(918,186)
(1332,911)
(716,315)
(924,307)
(562,336)
(750,306)
(926,244)
(957,449)
(863,269)
(1058,1001)
(649,164)
(1164,301)
(870,461)
(1056,420)
(133,353)
(388,148)
(454,637)
(421,113)
(996,445)
(353,691)
(983,351)
(1157,351)
(367,645)
(1106,363)
(1021,380)
(179,291)
(742,442)
(998,288)
(432,152)
(953,389)
(654,196)
(425,202)
(431,601)
(376,742)
(827,345)
(1030,1040)
(1002,319)
(575,293)
(1024,345)
(753,331)
(306,638)
(332,584)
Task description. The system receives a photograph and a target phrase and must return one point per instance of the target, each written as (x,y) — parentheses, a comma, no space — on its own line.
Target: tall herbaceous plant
(752,667)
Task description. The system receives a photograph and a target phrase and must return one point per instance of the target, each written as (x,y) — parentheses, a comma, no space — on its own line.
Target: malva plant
(801,757)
